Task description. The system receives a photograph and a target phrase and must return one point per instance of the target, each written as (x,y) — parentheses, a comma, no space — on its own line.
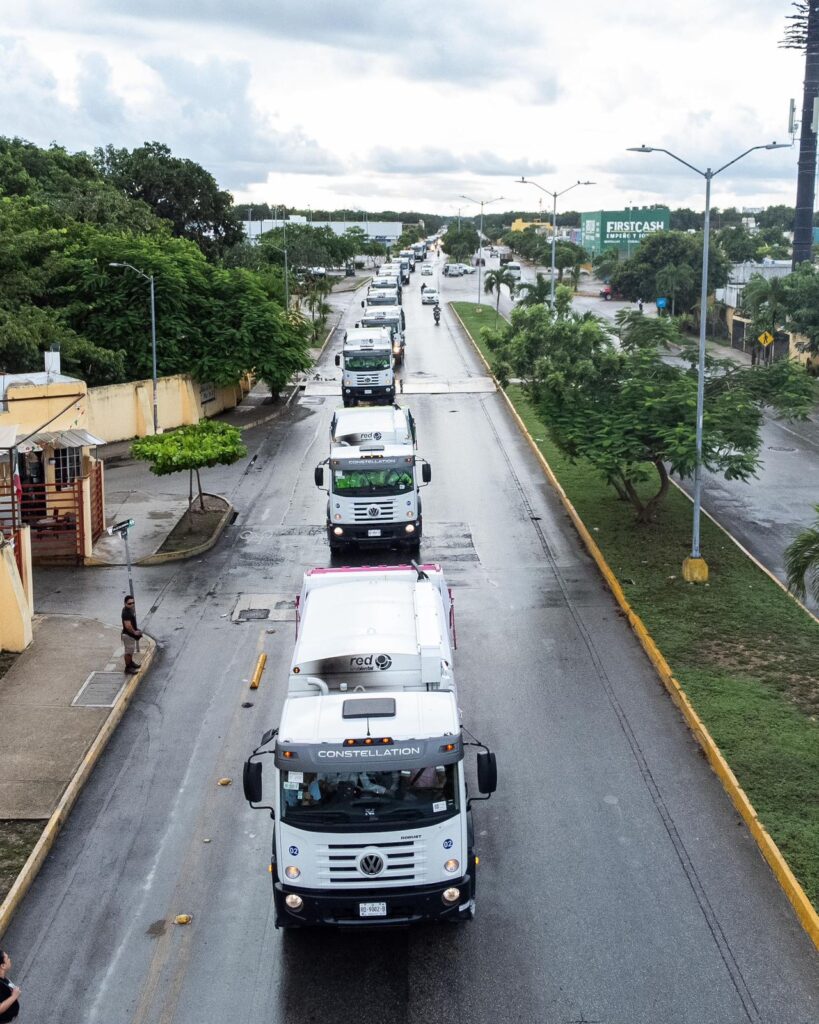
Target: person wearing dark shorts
(9,992)
(130,636)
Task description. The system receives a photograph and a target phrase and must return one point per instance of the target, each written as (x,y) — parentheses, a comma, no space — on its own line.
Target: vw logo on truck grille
(370,864)
(373,511)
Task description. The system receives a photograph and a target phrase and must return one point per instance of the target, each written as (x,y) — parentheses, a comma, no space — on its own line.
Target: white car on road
(430,297)
(426,270)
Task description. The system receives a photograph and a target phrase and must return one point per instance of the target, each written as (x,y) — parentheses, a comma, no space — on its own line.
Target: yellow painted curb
(805,910)
(72,791)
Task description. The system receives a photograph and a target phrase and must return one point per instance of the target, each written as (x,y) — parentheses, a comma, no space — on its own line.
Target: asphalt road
(616,882)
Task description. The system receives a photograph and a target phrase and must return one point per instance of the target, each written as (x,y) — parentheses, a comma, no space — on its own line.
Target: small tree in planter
(196,447)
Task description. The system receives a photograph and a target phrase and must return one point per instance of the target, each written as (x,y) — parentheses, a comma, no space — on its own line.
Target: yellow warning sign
(766,338)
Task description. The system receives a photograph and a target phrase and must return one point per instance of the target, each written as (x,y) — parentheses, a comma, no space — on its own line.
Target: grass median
(744,652)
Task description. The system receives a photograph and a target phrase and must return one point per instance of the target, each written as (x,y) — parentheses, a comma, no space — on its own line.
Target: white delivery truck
(409,255)
(420,250)
(387,281)
(374,486)
(365,774)
(391,317)
(367,365)
(381,297)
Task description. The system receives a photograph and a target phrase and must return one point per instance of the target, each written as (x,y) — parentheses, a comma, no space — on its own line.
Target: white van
(514,269)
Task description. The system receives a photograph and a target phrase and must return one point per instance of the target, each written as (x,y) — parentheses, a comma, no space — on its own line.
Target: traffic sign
(661,303)
(766,338)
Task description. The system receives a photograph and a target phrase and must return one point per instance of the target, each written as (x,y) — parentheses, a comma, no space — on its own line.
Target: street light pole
(481,203)
(554,195)
(695,568)
(150,279)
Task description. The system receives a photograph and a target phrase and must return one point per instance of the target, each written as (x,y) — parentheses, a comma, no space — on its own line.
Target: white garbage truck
(373,480)
(365,775)
(391,317)
(367,361)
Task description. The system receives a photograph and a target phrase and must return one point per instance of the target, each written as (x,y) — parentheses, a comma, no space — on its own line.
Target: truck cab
(365,774)
(373,494)
(409,256)
(367,365)
(390,424)
(392,318)
(383,281)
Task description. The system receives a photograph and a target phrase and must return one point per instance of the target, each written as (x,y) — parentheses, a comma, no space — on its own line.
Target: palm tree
(673,278)
(606,262)
(802,562)
(803,34)
(766,299)
(538,294)
(495,280)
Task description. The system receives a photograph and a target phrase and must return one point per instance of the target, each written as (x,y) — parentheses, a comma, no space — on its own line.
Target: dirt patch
(17,840)
(196,526)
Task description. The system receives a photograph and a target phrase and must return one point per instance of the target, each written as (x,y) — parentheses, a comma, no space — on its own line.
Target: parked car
(453,270)
(426,270)
(430,297)
(467,270)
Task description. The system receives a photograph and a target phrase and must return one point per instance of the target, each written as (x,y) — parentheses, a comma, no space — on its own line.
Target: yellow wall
(31,406)
(519,224)
(122,411)
(15,612)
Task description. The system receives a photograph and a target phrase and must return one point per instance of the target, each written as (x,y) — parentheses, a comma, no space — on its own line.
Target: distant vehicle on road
(465,269)
(514,269)
(430,297)
(426,270)
(453,270)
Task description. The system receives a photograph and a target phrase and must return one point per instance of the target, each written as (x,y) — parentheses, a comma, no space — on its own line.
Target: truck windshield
(374,361)
(372,481)
(418,795)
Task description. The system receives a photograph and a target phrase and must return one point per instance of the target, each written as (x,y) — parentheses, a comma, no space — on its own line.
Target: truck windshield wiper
(404,812)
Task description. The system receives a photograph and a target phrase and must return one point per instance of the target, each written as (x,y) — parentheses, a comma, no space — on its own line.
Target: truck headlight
(451,866)
(291,871)
(451,895)
(410,528)
(337,531)
(293,901)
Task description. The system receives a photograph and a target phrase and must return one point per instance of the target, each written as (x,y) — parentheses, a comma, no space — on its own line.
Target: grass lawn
(744,652)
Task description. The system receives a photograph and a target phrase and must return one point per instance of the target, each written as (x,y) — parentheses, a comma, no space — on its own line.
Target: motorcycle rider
(436,312)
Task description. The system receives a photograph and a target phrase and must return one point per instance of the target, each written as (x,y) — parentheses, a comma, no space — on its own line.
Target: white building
(741,273)
(385,231)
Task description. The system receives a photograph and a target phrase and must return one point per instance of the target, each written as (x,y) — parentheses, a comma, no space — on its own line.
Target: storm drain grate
(246,614)
(779,448)
(100,690)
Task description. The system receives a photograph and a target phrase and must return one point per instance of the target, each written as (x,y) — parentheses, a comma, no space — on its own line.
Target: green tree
(537,294)
(202,445)
(766,300)
(568,256)
(802,562)
(460,244)
(630,413)
(606,262)
(636,278)
(494,280)
(738,244)
(176,189)
(672,279)
(802,304)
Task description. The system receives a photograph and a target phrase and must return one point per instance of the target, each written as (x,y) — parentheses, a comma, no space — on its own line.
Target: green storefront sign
(623,228)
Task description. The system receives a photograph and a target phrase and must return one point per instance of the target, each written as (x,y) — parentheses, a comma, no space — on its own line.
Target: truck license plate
(372,909)
(368,391)
(373,533)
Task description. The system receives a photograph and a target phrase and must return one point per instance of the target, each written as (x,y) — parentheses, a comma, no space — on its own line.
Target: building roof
(35,379)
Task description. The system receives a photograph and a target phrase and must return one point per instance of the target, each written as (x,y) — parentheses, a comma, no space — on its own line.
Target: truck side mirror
(252,781)
(426,472)
(318,476)
(487,773)
(362,304)
(338,360)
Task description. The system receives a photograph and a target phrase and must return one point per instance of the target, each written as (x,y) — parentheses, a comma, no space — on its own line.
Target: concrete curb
(60,815)
(808,917)
(159,557)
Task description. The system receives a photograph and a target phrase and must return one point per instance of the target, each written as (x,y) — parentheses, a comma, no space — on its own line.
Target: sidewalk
(54,701)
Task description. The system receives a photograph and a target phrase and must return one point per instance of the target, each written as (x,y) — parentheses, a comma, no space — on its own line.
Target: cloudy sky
(341,103)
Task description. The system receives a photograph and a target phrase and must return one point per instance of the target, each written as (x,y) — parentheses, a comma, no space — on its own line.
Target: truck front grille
(366,511)
(366,379)
(403,862)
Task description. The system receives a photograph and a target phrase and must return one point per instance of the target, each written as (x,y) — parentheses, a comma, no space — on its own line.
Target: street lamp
(150,279)
(554,195)
(695,568)
(482,203)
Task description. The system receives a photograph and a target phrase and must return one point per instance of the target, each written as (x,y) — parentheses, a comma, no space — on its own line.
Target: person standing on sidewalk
(9,993)
(130,635)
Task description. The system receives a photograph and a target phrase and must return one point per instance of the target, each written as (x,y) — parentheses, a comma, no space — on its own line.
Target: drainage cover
(99,690)
(253,613)
(779,448)
(311,400)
